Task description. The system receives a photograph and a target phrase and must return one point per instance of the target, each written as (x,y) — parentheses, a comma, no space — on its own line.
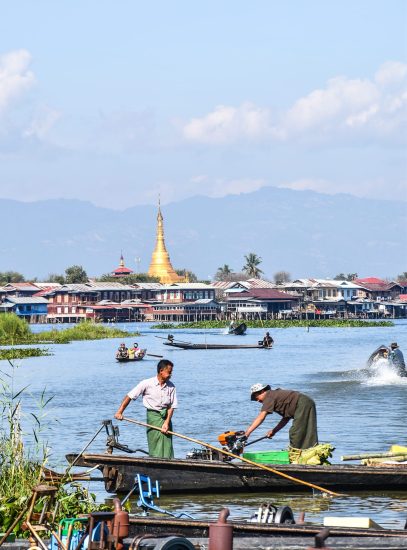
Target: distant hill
(302,232)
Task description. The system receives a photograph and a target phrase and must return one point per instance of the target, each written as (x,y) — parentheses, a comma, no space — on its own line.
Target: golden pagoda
(160,265)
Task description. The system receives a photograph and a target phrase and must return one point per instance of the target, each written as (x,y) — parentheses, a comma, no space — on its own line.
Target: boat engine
(233,442)
(268,513)
(204,454)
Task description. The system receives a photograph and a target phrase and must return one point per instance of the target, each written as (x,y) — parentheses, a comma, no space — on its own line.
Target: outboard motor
(268,513)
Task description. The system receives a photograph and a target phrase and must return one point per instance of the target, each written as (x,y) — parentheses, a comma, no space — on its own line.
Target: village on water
(59,510)
(174,298)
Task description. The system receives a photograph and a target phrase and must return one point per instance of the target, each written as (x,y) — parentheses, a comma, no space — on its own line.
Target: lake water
(358,411)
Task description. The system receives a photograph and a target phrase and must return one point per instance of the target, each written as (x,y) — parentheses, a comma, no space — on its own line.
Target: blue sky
(116,102)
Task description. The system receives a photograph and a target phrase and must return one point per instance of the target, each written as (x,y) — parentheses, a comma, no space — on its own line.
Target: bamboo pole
(361,456)
(227,453)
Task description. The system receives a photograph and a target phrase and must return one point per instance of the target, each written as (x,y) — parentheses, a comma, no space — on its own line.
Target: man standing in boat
(291,405)
(160,400)
(397,359)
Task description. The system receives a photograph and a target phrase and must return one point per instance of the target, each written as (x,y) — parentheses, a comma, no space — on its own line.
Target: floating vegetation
(22,353)
(16,331)
(280,323)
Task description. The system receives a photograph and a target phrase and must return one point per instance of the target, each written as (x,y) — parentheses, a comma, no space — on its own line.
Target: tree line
(76,274)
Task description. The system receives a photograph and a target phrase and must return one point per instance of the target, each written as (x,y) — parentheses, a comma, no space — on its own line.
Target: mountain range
(306,233)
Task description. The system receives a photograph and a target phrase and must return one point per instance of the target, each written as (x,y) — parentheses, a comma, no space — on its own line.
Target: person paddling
(160,400)
(291,405)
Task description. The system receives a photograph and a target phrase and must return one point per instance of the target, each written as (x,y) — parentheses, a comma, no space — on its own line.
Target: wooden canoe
(195,475)
(139,357)
(190,345)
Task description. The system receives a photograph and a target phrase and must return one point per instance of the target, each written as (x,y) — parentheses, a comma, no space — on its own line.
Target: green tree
(251,266)
(223,273)
(128,279)
(402,276)
(343,277)
(192,278)
(75,274)
(281,277)
(55,278)
(11,277)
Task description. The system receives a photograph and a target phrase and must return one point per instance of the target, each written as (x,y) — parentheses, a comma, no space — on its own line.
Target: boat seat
(147,492)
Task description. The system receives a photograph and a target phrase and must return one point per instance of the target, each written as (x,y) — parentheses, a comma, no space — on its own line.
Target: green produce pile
(319,454)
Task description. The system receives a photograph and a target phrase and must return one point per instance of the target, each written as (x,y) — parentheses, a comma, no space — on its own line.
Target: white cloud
(42,122)
(15,77)
(351,109)
(390,73)
(229,124)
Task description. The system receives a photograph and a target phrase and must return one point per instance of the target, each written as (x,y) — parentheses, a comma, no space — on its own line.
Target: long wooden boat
(190,345)
(195,475)
(161,526)
(239,330)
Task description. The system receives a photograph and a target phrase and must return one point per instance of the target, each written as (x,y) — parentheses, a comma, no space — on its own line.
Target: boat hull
(160,526)
(193,476)
(212,346)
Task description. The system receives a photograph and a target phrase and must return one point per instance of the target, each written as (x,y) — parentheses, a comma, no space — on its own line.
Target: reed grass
(21,466)
(16,331)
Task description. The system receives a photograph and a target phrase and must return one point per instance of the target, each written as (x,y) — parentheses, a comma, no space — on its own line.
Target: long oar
(176,340)
(227,453)
(152,355)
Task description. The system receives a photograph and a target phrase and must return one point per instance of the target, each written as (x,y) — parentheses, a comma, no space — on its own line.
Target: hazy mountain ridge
(303,232)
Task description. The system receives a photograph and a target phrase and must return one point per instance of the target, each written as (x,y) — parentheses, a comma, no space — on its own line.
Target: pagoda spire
(160,265)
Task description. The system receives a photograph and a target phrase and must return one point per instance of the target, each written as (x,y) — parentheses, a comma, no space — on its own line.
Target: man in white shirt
(160,400)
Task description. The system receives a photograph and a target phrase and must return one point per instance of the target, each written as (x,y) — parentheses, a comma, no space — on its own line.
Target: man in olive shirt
(290,405)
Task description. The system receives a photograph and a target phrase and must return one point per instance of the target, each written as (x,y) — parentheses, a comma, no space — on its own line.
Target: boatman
(268,341)
(397,359)
(160,400)
(290,405)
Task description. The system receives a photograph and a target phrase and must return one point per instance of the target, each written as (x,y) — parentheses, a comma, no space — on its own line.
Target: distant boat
(190,345)
(239,329)
(140,355)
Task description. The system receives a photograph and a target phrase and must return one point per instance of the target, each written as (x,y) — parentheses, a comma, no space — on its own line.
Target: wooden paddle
(227,453)
(152,355)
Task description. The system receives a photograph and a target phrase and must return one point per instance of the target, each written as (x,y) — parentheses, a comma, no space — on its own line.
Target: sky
(119,102)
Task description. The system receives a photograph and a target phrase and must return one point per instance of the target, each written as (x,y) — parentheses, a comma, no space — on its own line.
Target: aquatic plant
(13,329)
(16,331)
(86,330)
(280,323)
(22,353)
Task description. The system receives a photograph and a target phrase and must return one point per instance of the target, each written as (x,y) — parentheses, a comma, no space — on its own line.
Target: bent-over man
(290,405)
(160,400)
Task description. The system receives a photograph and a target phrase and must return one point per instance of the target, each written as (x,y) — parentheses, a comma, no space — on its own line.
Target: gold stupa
(160,265)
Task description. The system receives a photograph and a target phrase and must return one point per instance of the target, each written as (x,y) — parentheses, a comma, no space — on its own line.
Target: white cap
(257,388)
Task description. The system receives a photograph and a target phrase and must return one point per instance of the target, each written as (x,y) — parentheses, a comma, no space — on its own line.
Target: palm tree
(223,273)
(251,266)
